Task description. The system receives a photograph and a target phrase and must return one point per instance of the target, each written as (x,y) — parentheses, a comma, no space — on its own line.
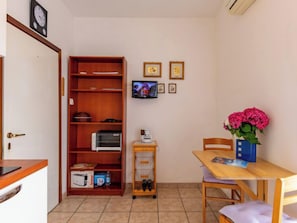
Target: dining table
(260,171)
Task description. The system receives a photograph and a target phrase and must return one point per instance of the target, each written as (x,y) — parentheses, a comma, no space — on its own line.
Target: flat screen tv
(144,89)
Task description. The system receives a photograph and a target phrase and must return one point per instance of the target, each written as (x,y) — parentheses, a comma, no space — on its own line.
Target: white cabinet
(29,205)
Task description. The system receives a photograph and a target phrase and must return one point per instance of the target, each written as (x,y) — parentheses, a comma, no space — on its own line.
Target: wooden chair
(257,211)
(209,181)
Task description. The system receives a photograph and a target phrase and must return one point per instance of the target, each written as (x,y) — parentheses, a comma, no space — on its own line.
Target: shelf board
(97,90)
(113,186)
(144,193)
(98,59)
(97,75)
(88,150)
(106,167)
(99,168)
(113,189)
(96,123)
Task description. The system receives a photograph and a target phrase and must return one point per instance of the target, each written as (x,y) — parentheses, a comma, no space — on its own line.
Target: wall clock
(38,18)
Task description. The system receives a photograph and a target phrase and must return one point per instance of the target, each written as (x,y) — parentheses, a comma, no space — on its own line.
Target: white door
(31,105)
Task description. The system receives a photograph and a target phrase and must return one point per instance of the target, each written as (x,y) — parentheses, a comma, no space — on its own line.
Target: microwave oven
(107,140)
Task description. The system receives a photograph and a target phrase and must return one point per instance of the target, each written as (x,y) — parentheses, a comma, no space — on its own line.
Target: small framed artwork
(171,88)
(176,70)
(161,88)
(152,69)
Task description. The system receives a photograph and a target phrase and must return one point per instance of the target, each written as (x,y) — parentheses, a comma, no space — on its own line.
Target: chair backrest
(285,194)
(217,144)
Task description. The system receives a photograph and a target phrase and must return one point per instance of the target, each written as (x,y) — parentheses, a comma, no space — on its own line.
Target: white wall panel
(257,66)
(3,4)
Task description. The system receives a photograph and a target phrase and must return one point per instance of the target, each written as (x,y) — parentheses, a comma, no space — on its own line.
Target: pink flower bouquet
(244,124)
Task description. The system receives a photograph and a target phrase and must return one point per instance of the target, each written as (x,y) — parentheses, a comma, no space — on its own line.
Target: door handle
(10,194)
(12,135)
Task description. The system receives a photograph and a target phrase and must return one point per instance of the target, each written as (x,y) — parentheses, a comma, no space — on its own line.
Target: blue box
(246,151)
(99,179)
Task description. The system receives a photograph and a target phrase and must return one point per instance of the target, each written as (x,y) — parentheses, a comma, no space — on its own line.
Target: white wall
(177,121)
(258,67)
(3,5)
(60,29)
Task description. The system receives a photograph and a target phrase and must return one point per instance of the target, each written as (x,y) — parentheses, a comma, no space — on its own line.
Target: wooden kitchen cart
(144,169)
(96,90)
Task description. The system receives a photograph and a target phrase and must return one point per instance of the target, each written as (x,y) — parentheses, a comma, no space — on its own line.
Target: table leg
(247,189)
(262,190)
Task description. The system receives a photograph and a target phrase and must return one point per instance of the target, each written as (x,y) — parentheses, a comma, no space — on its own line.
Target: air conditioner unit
(238,7)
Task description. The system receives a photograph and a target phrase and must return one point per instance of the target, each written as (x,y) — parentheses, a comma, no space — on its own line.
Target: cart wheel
(133,197)
(154,196)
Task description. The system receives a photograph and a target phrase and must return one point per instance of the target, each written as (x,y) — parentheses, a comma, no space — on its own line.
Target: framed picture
(176,70)
(171,88)
(152,69)
(161,88)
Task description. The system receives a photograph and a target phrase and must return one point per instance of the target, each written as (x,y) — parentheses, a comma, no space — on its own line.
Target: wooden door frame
(42,40)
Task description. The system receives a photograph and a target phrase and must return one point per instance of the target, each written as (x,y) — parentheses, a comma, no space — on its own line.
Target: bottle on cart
(144,184)
(149,184)
(107,180)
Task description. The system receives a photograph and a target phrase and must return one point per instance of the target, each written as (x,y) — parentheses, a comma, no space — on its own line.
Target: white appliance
(107,140)
(82,179)
(238,7)
(146,136)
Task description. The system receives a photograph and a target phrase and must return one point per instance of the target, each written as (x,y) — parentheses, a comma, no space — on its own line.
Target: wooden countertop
(27,167)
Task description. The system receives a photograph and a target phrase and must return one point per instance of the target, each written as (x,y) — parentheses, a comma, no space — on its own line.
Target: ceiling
(143,8)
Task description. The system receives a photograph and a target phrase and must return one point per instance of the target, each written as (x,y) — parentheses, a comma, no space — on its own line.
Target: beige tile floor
(175,203)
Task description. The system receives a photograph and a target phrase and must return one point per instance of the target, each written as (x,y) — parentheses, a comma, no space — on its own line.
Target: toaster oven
(107,140)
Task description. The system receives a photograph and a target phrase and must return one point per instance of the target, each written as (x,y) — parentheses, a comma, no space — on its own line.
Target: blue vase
(246,151)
